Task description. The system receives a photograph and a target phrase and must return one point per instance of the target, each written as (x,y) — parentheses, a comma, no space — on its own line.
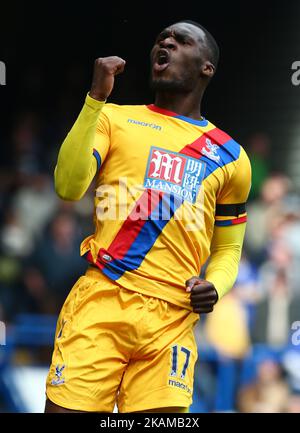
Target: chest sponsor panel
(174,173)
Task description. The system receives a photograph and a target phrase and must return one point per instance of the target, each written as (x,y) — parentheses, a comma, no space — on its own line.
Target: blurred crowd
(39,234)
(39,262)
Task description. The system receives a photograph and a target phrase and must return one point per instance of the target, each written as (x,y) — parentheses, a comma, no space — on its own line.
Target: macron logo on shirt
(140,123)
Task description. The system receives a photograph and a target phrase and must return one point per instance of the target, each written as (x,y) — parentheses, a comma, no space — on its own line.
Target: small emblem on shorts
(58,373)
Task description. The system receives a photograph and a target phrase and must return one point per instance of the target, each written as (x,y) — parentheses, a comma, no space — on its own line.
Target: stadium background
(249,357)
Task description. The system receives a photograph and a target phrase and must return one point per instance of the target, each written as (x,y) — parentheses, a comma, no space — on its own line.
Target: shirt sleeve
(231,201)
(226,248)
(230,227)
(102,132)
(83,151)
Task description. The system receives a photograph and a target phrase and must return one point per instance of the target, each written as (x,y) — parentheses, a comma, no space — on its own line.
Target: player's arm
(227,241)
(80,154)
(222,270)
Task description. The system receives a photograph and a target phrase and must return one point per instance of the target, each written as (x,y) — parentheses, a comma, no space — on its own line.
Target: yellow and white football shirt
(164,182)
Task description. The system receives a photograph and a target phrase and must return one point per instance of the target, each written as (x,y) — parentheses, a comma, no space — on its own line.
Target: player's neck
(185,105)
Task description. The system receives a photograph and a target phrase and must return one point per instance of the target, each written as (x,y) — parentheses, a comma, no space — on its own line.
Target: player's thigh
(87,366)
(164,377)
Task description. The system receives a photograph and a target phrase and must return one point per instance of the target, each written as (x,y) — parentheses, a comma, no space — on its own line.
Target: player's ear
(207,69)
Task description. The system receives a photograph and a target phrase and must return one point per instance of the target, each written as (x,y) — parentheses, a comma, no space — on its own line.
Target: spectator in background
(55,263)
(26,144)
(28,188)
(264,215)
(15,240)
(21,156)
(287,231)
(247,288)
(15,245)
(278,308)
(259,154)
(227,329)
(35,203)
(268,393)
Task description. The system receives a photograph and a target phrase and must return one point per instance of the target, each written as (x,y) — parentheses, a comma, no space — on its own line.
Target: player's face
(177,57)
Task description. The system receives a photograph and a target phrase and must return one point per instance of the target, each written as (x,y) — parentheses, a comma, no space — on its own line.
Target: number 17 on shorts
(180,375)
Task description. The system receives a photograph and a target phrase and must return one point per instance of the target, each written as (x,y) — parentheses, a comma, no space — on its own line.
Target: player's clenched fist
(203,295)
(105,70)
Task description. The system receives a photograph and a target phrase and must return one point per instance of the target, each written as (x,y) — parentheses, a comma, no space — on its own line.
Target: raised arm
(86,145)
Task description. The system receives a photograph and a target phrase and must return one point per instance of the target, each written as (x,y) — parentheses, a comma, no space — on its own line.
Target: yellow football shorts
(115,346)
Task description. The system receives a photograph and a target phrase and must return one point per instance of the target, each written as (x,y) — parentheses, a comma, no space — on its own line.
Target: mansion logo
(171,189)
(174,173)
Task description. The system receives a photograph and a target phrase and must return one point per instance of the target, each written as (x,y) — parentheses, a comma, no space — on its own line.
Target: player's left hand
(203,295)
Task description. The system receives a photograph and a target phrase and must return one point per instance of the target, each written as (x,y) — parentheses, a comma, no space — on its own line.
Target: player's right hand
(203,295)
(105,69)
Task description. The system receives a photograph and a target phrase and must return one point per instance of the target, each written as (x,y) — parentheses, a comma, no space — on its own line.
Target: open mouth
(162,60)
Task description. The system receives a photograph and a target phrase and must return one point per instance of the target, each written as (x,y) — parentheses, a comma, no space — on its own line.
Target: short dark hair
(212,46)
